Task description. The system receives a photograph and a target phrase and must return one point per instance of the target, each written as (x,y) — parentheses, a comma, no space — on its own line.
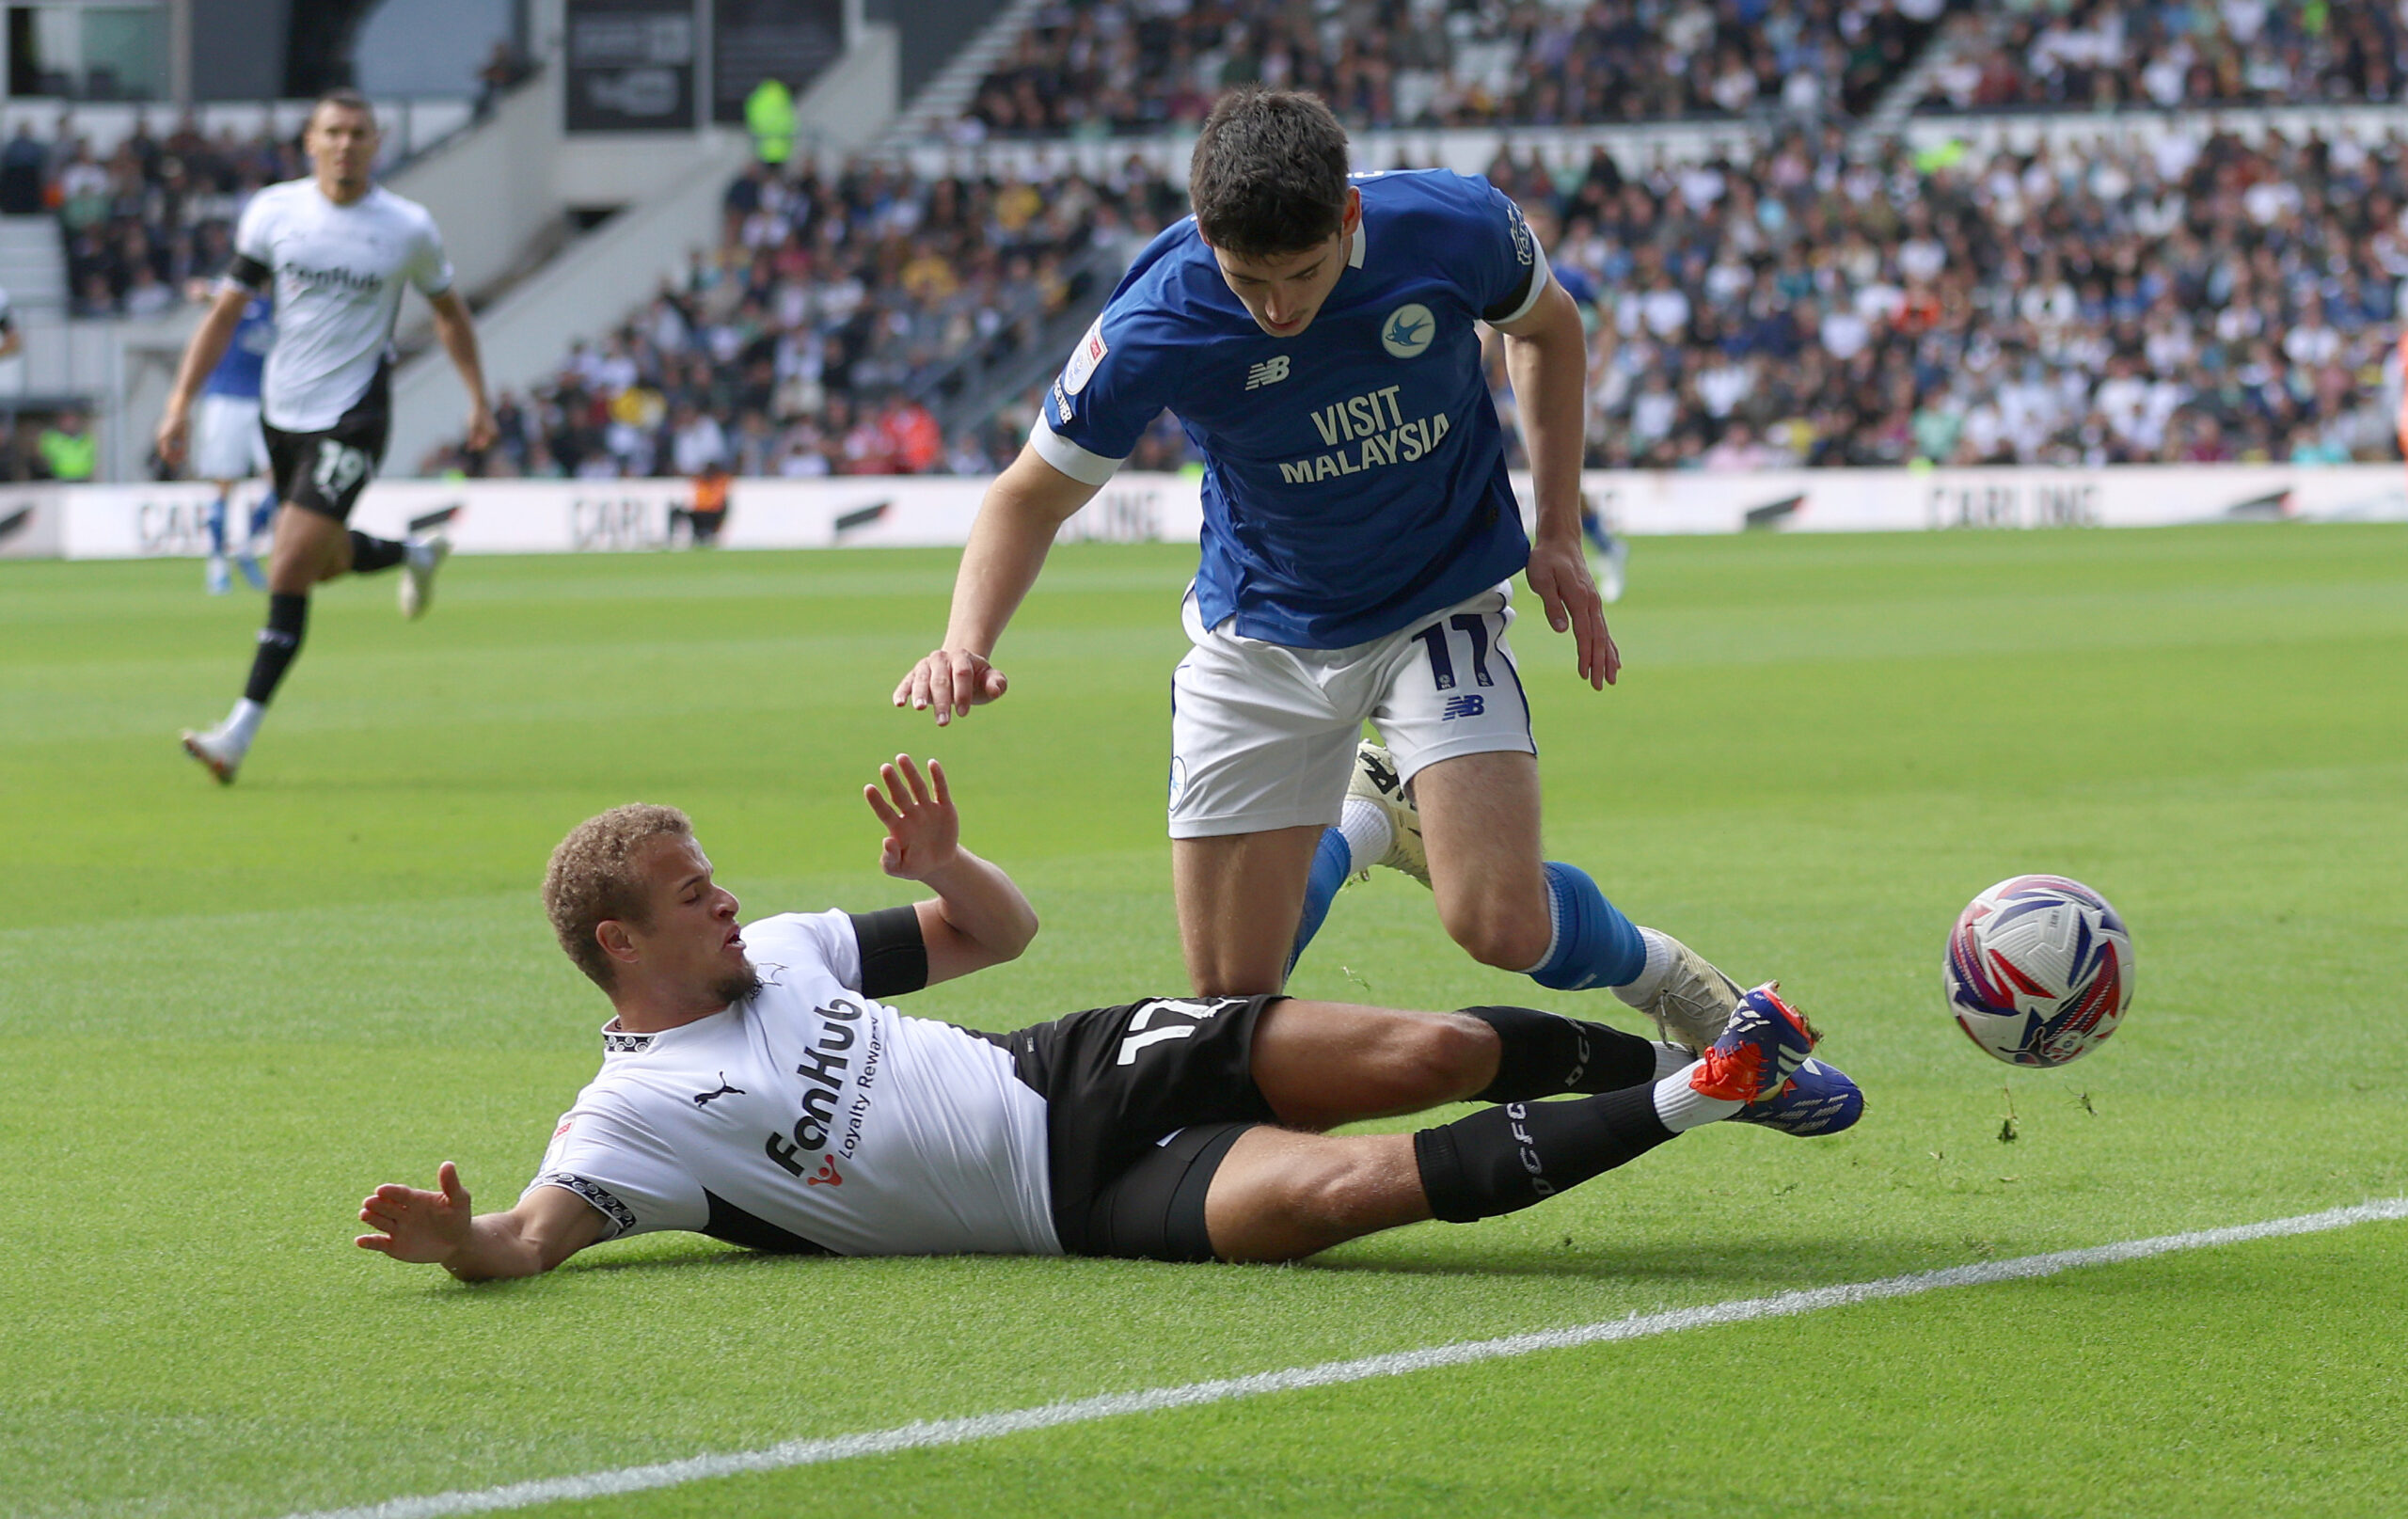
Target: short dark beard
(738,986)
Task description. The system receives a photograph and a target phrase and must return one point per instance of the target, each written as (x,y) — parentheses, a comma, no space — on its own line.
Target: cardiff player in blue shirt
(228,445)
(1317,335)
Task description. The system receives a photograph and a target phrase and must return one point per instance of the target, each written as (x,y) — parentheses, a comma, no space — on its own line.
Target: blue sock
(1594,944)
(264,512)
(1332,860)
(217,525)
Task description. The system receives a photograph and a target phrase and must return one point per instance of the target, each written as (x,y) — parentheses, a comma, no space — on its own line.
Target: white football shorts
(227,443)
(1263,736)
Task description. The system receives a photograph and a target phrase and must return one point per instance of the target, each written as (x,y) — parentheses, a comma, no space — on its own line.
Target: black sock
(1545,1055)
(1500,1160)
(369,555)
(287,618)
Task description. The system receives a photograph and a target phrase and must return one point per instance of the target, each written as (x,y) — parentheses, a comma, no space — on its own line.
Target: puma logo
(703,1100)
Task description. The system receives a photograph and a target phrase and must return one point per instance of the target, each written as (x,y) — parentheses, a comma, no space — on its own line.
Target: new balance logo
(1463,706)
(1270,372)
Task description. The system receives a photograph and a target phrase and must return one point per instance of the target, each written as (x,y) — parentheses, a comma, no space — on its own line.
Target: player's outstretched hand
(425,1229)
(952,681)
(1559,577)
(482,430)
(923,829)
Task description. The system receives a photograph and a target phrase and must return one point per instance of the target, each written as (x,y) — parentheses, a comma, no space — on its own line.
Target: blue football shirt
(239,372)
(1354,472)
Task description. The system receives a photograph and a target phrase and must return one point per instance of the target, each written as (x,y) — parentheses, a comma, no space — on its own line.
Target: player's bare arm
(458,335)
(1022,511)
(979,917)
(1546,353)
(208,345)
(437,1229)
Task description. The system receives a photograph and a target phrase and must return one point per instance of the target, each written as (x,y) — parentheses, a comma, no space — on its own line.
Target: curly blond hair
(592,878)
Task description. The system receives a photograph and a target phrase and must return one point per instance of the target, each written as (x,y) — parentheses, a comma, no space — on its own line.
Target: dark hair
(346,98)
(1269,173)
(593,876)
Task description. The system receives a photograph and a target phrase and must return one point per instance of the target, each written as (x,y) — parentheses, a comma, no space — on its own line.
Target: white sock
(1682,1106)
(242,722)
(1368,832)
(1672,1059)
(419,553)
(1642,989)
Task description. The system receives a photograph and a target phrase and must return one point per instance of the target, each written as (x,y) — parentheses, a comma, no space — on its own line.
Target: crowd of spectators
(2187,301)
(2195,300)
(2166,54)
(796,346)
(1101,67)
(150,214)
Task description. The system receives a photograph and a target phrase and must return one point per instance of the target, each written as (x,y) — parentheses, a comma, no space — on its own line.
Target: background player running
(755,1088)
(227,445)
(1318,339)
(336,250)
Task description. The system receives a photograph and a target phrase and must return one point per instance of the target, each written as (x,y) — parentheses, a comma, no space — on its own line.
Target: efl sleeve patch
(895,958)
(1108,391)
(1523,266)
(431,271)
(1084,358)
(1525,297)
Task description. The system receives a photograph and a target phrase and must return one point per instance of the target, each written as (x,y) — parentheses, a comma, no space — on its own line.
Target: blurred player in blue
(1318,338)
(227,447)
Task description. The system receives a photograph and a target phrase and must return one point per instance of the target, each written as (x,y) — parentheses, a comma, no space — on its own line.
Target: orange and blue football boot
(1818,1099)
(1758,1053)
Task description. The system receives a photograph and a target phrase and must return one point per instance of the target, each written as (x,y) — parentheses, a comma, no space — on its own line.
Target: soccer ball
(2039,970)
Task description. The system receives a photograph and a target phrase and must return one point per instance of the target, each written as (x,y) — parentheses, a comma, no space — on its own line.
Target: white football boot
(1376,782)
(1690,1001)
(418,574)
(217,750)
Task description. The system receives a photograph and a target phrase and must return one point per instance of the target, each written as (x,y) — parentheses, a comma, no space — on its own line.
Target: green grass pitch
(227,1013)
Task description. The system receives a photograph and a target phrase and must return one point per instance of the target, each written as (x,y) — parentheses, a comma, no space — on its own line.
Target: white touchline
(945,1431)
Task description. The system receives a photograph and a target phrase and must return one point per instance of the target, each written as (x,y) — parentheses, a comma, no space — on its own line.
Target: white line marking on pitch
(923,1433)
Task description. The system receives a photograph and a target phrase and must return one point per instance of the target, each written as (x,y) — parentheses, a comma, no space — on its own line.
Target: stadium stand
(2169,53)
(813,338)
(2187,302)
(152,214)
(1139,66)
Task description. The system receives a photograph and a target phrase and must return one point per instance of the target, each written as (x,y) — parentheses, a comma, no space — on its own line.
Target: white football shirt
(809,1116)
(338,273)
